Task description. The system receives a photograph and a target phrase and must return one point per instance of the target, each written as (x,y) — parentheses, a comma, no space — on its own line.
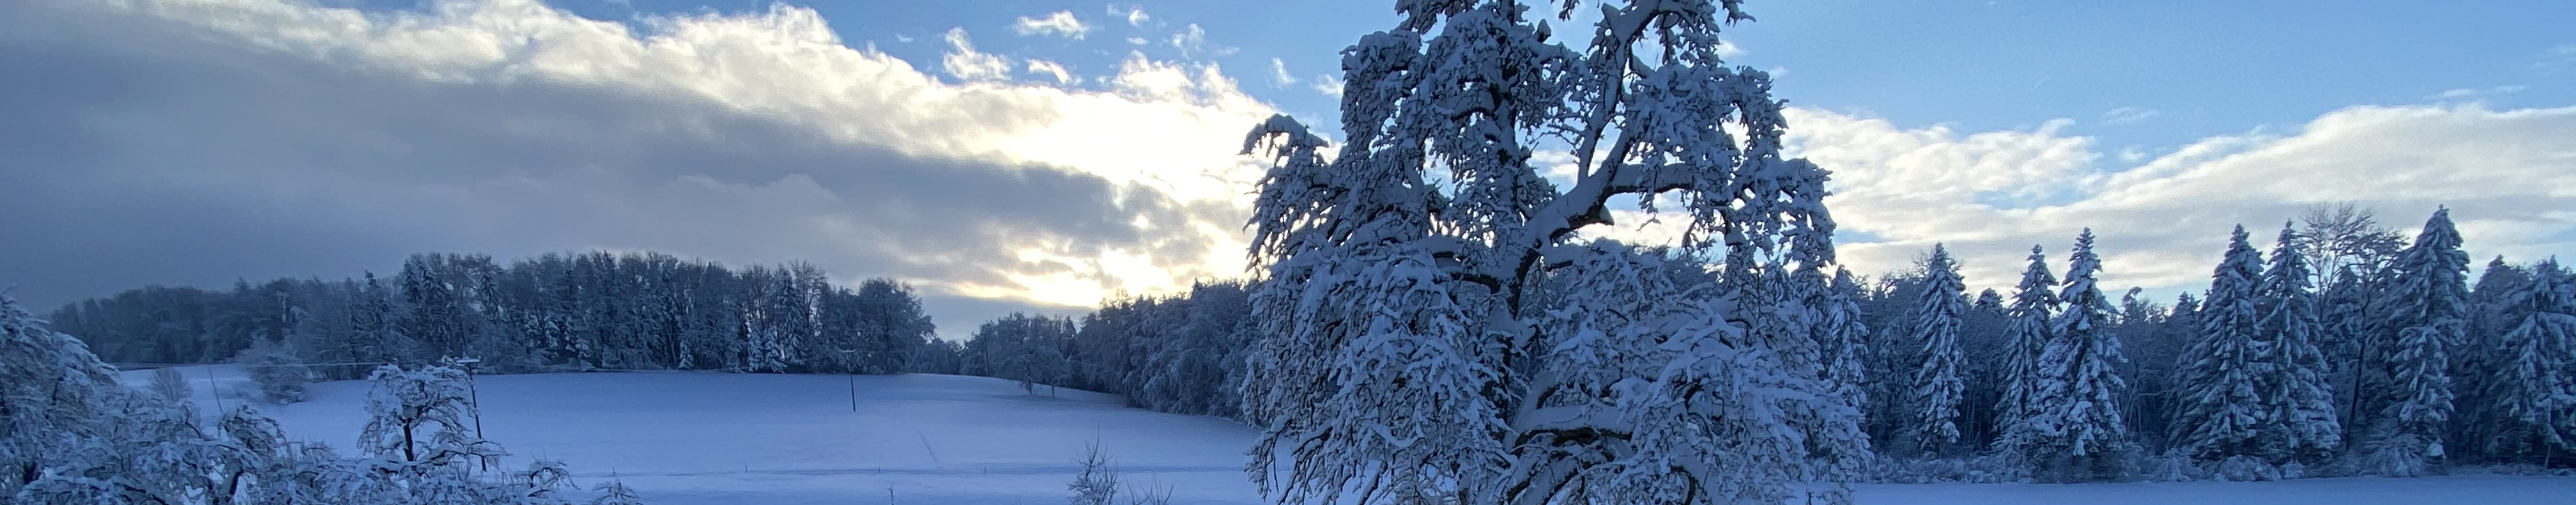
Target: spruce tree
(2535,396)
(1937,387)
(2295,390)
(2025,336)
(2480,360)
(1844,339)
(2074,432)
(2220,409)
(2425,310)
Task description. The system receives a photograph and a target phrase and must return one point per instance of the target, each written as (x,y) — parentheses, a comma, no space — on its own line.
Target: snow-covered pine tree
(2221,408)
(2026,334)
(2425,309)
(2535,397)
(2479,359)
(1937,387)
(1402,315)
(2294,386)
(2074,432)
(1844,339)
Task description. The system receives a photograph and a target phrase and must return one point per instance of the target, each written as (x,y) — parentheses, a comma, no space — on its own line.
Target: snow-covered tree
(2074,431)
(1844,339)
(2222,408)
(2535,396)
(2026,335)
(281,376)
(1404,315)
(420,416)
(1936,384)
(2425,309)
(52,394)
(2479,359)
(2294,384)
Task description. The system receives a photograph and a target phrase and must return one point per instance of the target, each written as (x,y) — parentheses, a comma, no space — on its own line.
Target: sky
(1039,156)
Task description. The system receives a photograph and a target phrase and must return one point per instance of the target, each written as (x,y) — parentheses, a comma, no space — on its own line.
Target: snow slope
(714,438)
(684,438)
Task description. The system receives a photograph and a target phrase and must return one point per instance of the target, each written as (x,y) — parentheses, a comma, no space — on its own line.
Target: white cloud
(1053,69)
(907,39)
(1135,14)
(1193,43)
(2454,94)
(2129,115)
(2556,58)
(964,63)
(1165,132)
(1138,41)
(1279,75)
(1328,84)
(1060,23)
(2132,154)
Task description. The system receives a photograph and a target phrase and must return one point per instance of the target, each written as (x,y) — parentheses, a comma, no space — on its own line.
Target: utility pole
(474,396)
(216,390)
(849,358)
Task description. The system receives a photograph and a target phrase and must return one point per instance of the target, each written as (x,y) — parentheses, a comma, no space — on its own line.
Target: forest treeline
(554,312)
(2350,348)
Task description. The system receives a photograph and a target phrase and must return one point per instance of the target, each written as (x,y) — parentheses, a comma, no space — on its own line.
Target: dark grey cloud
(134,151)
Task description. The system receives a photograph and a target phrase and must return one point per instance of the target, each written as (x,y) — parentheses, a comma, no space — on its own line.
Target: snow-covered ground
(755,439)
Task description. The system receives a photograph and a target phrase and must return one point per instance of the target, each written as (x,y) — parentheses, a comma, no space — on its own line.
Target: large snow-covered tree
(1937,387)
(2074,430)
(2535,396)
(1405,324)
(2293,384)
(2221,407)
(2026,335)
(2425,309)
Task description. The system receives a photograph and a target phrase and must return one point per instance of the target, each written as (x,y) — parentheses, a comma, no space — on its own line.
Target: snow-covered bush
(1986,469)
(2244,469)
(280,377)
(169,385)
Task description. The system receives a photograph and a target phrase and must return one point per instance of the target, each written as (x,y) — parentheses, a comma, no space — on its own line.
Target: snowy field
(683,438)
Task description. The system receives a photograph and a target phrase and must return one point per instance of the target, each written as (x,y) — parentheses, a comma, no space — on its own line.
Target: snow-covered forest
(555,312)
(2262,376)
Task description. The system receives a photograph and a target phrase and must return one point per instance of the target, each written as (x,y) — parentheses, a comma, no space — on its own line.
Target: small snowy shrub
(2399,455)
(2170,466)
(1098,484)
(2245,469)
(167,384)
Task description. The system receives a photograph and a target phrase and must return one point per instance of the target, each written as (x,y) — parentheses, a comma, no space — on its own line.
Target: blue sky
(2176,70)
(210,140)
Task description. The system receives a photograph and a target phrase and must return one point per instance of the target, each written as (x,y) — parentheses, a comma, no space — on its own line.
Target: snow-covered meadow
(759,439)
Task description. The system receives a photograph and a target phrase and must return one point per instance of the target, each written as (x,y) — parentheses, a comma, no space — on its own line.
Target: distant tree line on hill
(579,311)
(1179,353)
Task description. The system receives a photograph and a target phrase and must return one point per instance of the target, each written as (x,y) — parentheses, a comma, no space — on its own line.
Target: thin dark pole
(849,359)
(212,388)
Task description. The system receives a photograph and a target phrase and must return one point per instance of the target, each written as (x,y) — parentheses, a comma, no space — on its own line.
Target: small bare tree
(1098,483)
